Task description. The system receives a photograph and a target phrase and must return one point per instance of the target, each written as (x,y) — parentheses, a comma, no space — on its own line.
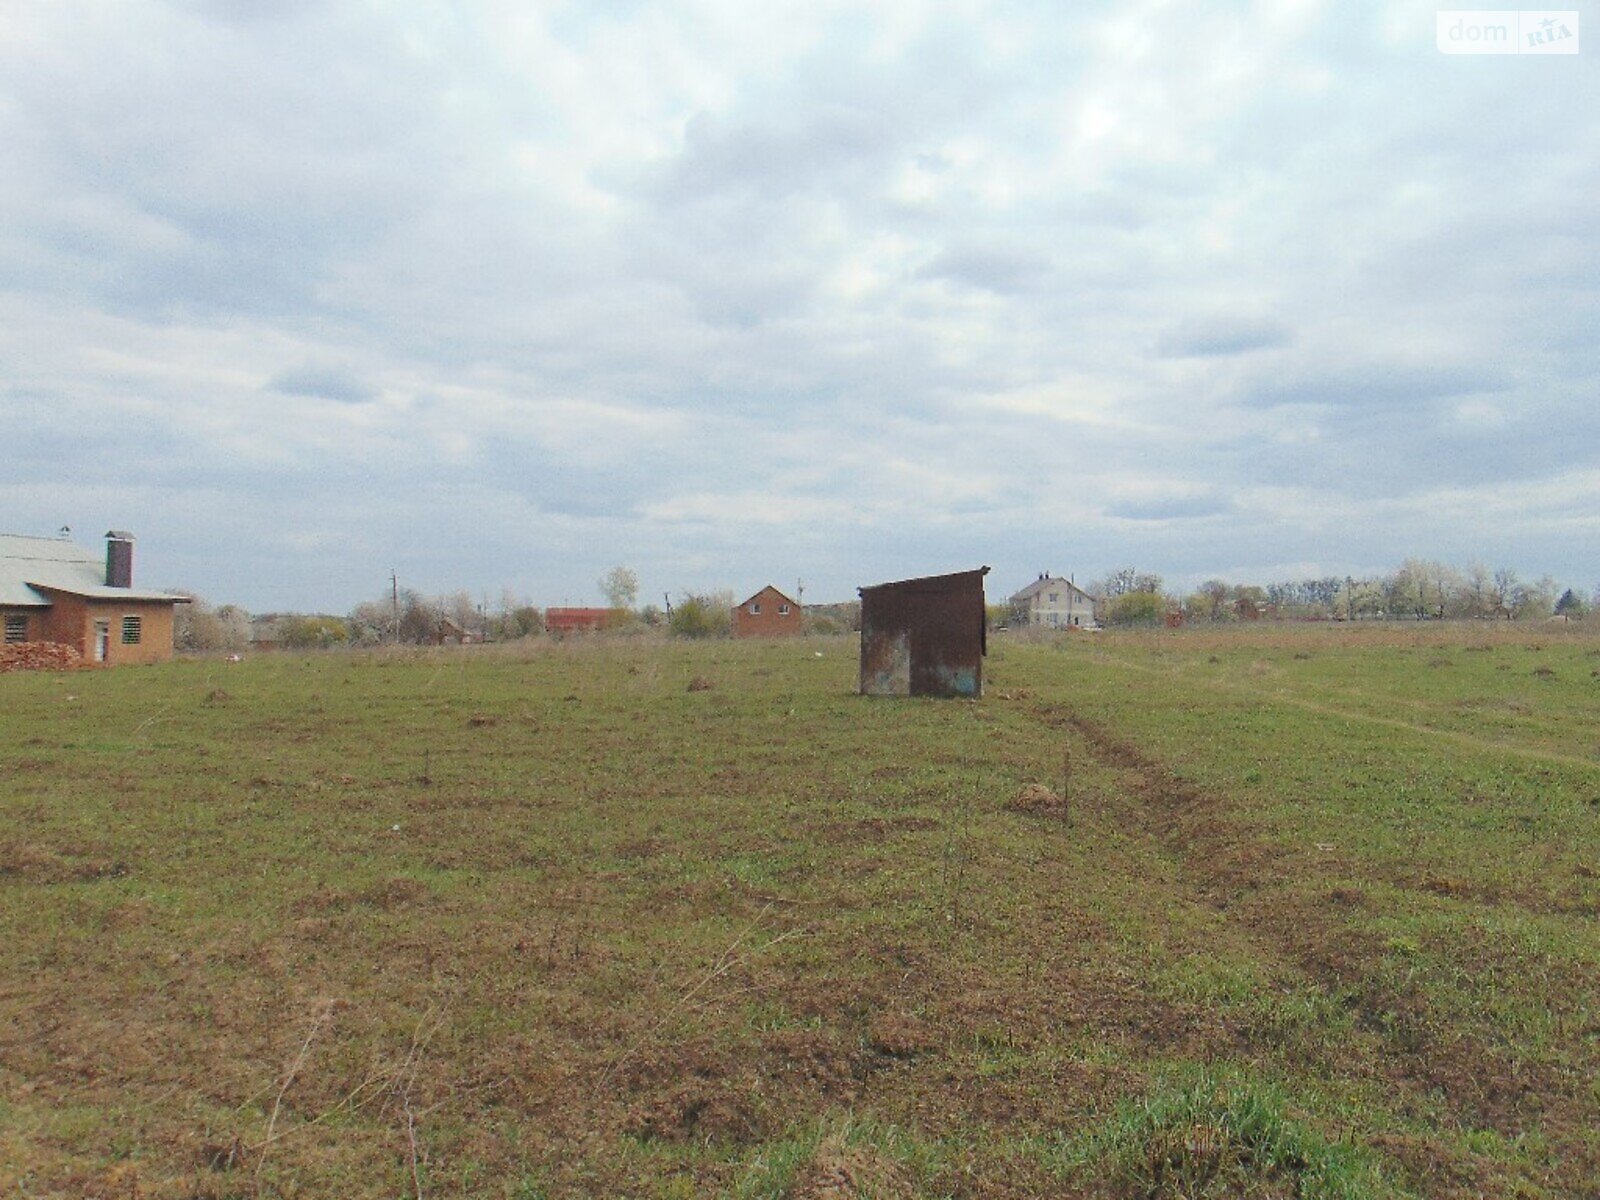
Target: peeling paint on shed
(924,637)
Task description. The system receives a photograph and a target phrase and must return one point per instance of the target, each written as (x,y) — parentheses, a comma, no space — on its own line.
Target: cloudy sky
(500,295)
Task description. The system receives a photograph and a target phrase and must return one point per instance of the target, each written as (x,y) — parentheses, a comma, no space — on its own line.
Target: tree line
(408,617)
(1418,590)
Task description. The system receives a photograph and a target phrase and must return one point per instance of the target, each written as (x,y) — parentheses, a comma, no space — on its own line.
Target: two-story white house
(1053,603)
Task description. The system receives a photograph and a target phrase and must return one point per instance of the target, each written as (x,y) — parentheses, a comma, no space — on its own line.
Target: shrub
(1136,608)
(304,633)
(700,616)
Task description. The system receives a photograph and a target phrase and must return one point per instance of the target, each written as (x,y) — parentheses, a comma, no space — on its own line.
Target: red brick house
(769,613)
(577,620)
(52,590)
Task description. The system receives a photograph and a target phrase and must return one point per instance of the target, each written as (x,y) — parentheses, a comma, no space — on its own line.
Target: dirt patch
(394,893)
(1461,889)
(1426,1166)
(894,1035)
(640,850)
(701,1092)
(320,900)
(841,1172)
(705,1105)
(40,864)
(1347,897)
(699,684)
(876,829)
(1037,800)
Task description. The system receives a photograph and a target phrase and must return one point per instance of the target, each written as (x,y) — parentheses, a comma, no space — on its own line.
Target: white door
(102,640)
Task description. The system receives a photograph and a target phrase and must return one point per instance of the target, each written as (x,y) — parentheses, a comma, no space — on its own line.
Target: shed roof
(29,564)
(930,583)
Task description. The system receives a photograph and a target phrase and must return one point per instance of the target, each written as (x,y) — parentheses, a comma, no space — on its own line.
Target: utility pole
(394,593)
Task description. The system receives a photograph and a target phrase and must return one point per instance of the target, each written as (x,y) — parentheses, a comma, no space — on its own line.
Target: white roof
(30,563)
(1048,581)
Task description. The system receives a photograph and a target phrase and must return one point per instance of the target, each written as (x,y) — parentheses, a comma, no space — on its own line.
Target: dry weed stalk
(388,1084)
(725,963)
(411,1137)
(1066,779)
(405,1077)
(324,1012)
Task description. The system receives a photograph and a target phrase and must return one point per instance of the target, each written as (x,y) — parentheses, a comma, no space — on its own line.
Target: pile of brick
(38,656)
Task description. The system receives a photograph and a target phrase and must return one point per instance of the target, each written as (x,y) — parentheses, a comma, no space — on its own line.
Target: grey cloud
(202,180)
(1000,270)
(1379,387)
(1396,450)
(1171,508)
(773,159)
(323,383)
(250,12)
(857,252)
(1222,336)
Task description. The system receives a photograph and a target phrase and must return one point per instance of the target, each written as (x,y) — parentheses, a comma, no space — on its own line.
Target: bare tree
(1125,581)
(620,587)
(1504,594)
(198,626)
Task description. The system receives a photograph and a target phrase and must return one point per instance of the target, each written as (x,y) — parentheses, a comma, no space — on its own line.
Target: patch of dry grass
(549,920)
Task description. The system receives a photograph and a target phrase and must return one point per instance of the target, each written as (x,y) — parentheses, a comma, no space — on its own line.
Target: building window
(1054,596)
(16,630)
(783,610)
(755,610)
(130,631)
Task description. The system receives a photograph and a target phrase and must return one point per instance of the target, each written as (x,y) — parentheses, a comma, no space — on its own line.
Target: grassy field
(1269,912)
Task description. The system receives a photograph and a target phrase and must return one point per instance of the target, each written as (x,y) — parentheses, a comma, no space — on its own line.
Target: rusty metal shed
(924,637)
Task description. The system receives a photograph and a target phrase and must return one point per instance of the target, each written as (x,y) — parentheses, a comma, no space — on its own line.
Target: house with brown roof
(53,590)
(769,613)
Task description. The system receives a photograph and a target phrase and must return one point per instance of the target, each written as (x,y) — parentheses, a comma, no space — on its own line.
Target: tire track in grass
(1393,1043)
(1467,740)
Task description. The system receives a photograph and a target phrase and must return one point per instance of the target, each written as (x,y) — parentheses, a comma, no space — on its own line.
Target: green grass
(539,921)
(1220,1133)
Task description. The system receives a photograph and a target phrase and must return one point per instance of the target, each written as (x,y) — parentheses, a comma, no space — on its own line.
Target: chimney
(119,559)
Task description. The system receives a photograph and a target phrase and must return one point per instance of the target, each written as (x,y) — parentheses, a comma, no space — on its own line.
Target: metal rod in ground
(1066,781)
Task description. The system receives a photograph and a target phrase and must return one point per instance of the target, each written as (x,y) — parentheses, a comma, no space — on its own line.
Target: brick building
(578,620)
(52,590)
(769,613)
